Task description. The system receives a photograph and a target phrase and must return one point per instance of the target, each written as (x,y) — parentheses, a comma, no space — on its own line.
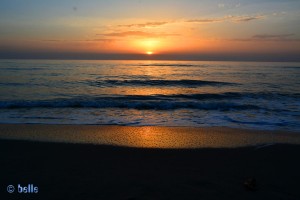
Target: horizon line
(267,57)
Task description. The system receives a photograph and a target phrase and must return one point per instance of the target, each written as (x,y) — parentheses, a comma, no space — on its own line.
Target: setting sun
(149,46)
(149,52)
(105,30)
(158,99)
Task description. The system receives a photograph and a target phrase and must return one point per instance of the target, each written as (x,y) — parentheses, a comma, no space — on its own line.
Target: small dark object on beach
(250,184)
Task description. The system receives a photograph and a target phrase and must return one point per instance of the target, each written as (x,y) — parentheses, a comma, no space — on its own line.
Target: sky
(158,29)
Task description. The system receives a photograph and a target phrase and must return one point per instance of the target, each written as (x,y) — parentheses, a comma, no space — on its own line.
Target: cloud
(272,37)
(246,18)
(269,37)
(221,5)
(147,24)
(88,40)
(136,33)
(100,40)
(237,5)
(230,18)
(53,40)
(212,20)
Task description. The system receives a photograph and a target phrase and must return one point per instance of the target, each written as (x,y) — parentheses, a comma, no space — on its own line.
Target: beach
(120,129)
(148,136)
(85,170)
(150,100)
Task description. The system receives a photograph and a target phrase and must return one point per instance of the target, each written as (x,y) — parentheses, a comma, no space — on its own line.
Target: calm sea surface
(160,93)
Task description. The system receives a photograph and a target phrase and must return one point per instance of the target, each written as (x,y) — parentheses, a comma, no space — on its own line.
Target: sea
(248,95)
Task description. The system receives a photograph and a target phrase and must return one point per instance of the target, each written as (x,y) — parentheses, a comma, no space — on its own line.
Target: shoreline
(148,136)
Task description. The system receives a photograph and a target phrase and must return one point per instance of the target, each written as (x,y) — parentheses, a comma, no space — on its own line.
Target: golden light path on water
(147,136)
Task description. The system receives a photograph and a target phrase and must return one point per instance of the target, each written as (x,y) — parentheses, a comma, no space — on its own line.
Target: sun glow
(148,46)
(150,43)
(149,52)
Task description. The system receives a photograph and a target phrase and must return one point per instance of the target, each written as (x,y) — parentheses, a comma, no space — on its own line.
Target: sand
(101,171)
(147,136)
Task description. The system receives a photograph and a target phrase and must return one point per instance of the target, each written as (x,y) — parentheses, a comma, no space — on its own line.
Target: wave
(261,123)
(236,95)
(22,68)
(167,65)
(184,82)
(291,67)
(139,105)
(208,101)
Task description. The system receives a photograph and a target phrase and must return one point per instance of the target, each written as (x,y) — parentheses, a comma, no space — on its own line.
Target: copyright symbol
(10,189)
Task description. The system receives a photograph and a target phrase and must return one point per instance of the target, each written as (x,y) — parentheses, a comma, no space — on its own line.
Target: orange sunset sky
(137,29)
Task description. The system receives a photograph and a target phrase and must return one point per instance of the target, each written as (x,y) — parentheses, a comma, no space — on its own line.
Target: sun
(149,52)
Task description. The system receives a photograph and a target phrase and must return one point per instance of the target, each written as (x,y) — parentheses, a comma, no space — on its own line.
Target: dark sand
(147,136)
(89,171)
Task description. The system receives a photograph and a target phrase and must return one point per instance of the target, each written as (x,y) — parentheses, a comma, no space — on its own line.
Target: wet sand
(95,171)
(147,136)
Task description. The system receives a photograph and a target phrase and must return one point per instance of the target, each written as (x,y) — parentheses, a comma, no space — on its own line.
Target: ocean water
(255,95)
